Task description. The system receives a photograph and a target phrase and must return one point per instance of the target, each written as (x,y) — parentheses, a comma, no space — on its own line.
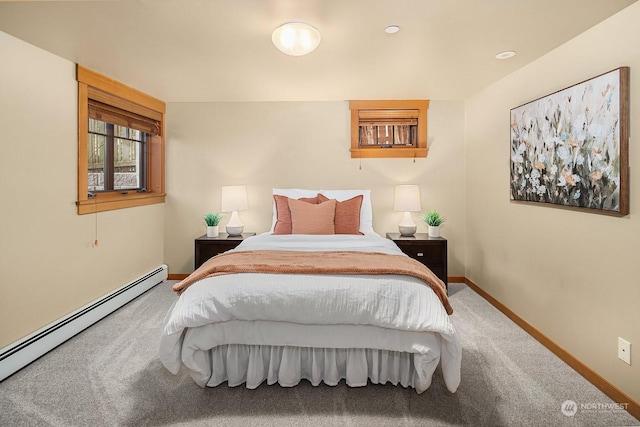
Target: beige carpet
(109,375)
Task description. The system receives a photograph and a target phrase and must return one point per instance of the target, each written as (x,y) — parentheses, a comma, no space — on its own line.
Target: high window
(120,145)
(389,128)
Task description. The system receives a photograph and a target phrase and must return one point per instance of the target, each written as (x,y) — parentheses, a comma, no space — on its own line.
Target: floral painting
(570,148)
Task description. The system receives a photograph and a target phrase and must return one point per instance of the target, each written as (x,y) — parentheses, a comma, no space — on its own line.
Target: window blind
(388,117)
(112,109)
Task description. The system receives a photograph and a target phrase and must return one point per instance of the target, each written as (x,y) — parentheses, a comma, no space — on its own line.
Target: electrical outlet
(624,350)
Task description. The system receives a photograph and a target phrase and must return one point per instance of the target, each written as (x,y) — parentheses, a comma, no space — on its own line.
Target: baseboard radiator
(19,354)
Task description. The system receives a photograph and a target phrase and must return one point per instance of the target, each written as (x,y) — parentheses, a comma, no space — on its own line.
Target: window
(115,157)
(120,145)
(389,128)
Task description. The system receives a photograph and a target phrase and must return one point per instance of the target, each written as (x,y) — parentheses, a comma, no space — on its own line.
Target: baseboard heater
(19,354)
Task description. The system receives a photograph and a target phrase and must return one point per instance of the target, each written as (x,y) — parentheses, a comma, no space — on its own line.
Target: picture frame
(570,149)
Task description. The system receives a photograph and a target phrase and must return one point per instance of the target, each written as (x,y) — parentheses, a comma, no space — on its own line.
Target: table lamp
(407,200)
(234,199)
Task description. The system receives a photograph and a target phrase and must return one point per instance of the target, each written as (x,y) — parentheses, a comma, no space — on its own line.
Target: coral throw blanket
(325,262)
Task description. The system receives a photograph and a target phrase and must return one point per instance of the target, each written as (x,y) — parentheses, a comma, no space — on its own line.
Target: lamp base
(235,230)
(235,227)
(407,230)
(407,227)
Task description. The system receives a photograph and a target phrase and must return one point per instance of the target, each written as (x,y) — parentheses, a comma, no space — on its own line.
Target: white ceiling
(221,50)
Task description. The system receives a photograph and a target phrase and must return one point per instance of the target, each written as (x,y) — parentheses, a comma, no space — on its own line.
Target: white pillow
(366,211)
(295,193)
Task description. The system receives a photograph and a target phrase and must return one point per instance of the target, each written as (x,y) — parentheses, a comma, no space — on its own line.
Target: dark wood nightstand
(207,247)
(431,251)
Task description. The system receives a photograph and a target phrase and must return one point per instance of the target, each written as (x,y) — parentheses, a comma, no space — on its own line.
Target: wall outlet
(624,350)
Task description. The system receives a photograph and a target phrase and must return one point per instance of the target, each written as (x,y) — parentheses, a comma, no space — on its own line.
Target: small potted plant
(434,220)
(213,221)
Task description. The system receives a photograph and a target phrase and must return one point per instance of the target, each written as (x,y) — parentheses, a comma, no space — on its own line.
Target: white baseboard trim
(19,354)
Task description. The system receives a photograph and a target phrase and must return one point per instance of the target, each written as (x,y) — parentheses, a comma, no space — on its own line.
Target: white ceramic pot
(213,231)
(434,231)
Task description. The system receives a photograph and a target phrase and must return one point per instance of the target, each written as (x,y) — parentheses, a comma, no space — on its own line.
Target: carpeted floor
(109,375)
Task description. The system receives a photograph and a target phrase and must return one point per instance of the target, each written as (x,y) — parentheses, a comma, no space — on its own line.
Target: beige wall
(573,275)
(48,266)
(304,145)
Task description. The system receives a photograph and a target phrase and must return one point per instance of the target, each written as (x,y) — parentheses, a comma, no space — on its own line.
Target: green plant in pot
(434,220)
(213,221)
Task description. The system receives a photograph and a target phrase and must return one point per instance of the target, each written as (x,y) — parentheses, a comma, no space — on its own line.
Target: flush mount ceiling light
(296,38)
(506,54)
(392,29)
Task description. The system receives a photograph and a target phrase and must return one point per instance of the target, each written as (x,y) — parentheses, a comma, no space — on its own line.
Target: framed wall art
(570,148)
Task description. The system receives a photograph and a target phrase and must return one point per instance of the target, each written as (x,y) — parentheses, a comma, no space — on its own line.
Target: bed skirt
(239,364)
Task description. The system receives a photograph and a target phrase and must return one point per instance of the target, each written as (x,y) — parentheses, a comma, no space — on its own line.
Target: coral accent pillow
(283,214)
(307,218)
(347,219)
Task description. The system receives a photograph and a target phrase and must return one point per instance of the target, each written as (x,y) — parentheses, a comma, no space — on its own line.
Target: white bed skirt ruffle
(253,364)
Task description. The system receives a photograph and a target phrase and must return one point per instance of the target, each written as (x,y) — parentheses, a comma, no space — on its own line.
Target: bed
(287,306)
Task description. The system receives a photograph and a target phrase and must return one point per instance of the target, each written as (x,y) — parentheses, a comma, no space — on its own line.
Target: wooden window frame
(92,85)
(388,109)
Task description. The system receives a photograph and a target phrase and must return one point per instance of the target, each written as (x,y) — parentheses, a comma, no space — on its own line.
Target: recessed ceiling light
(506,54)
(392,29)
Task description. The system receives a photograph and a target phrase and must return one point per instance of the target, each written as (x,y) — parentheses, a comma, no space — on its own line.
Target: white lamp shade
(234,198)
(296,38)
(407,198)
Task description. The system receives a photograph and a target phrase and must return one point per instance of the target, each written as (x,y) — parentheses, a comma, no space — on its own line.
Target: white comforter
(392,312)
